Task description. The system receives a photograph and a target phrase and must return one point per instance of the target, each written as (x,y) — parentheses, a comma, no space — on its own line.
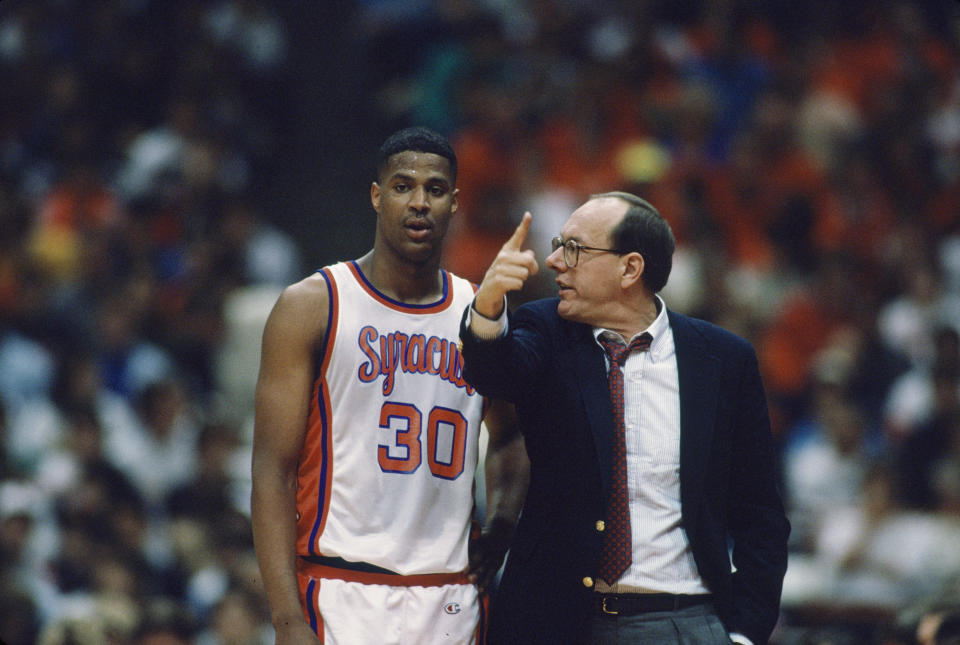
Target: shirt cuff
(487,328)
(740,639)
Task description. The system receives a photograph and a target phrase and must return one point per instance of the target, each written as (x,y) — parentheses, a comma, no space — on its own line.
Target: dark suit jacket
(555,372)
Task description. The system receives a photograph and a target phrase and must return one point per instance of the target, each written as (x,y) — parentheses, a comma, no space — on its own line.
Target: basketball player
(366,434)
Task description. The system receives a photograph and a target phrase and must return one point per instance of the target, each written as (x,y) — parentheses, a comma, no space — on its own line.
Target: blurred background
(166,167)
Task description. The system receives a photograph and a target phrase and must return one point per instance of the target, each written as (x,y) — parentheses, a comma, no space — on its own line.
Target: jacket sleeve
(500,368)
(757,520)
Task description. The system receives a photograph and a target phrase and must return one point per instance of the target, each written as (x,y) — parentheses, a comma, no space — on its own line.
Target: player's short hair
(644,230)
(417,139)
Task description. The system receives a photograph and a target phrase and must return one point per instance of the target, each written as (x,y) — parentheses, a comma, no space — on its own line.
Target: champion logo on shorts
(452,608)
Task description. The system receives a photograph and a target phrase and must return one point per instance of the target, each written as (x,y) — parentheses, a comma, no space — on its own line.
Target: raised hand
(509,271)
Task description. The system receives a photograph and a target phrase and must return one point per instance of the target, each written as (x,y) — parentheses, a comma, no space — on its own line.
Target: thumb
(515,243)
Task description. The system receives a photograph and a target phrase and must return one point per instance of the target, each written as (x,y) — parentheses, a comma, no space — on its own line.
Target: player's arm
(291,336)
(507,475)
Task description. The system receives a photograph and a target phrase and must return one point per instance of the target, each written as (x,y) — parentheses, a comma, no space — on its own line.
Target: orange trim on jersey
(431,308)
(315,472)
(320,571)
(327,469)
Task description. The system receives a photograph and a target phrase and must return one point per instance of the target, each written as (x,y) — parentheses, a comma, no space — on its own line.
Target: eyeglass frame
(557,242)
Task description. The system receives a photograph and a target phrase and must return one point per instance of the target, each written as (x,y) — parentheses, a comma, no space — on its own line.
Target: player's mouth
(418,229)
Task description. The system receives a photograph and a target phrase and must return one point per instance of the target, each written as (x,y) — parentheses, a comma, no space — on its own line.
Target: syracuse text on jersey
(411,353)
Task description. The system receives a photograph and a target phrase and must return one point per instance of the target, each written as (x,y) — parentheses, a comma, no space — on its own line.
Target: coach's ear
(631,269)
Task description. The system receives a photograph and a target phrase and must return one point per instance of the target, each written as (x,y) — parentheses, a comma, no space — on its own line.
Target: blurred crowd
(135,138)
(807,156)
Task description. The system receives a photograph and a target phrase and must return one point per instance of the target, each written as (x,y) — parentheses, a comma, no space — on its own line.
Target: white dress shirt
(662,559)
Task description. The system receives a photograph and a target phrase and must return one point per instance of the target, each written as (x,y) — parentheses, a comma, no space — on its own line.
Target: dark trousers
(697,625)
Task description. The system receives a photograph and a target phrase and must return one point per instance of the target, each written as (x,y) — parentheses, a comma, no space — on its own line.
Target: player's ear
(375,196)
(455,201)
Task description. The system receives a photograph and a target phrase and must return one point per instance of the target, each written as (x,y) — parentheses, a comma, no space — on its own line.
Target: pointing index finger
(515,243)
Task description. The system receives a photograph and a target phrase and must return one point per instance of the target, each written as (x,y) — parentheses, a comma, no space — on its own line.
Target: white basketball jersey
(387,471)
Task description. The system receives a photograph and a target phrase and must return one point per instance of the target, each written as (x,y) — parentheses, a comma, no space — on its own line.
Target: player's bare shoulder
(300,313)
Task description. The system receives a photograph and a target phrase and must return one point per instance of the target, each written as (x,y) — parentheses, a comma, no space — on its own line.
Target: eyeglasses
(572,248)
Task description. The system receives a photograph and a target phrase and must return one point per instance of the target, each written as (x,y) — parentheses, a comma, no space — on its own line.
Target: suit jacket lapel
(697,369)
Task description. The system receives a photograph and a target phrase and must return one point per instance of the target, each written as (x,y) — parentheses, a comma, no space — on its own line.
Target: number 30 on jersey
(446,440)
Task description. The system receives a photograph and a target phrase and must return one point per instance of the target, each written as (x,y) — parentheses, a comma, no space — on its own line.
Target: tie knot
(617,352)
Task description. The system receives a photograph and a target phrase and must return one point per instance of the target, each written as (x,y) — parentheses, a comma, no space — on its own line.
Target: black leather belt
(628,604)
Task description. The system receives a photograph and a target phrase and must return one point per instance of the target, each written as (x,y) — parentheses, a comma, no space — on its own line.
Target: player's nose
(419,200)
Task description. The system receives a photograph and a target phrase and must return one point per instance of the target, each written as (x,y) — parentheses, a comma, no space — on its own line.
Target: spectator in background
(948,631)
(933,443)
(6,468)
(209,491)
(924,391)
(945,470)
(908,322)
(881,553)
(82,205)
(27,372)
(166,623)
(21,568)
(19,622)
(160,452)
(235,621)
(128,361)
(53,435)
(939,626)
(825,458)
(264,254)
(808,318)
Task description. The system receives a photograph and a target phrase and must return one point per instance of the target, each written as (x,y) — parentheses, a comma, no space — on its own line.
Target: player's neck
(403,281)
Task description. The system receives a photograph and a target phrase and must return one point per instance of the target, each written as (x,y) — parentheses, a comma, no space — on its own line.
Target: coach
(653,514)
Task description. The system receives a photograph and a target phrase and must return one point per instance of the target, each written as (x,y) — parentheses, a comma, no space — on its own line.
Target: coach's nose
(556,262)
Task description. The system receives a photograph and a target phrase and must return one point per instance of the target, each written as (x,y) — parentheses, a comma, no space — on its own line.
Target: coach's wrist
(485,328)
(489,306)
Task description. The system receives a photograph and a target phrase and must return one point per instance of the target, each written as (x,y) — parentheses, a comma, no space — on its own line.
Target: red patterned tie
(617,541)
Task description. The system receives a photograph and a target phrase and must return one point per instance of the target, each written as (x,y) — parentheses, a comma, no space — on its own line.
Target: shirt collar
(656,329)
